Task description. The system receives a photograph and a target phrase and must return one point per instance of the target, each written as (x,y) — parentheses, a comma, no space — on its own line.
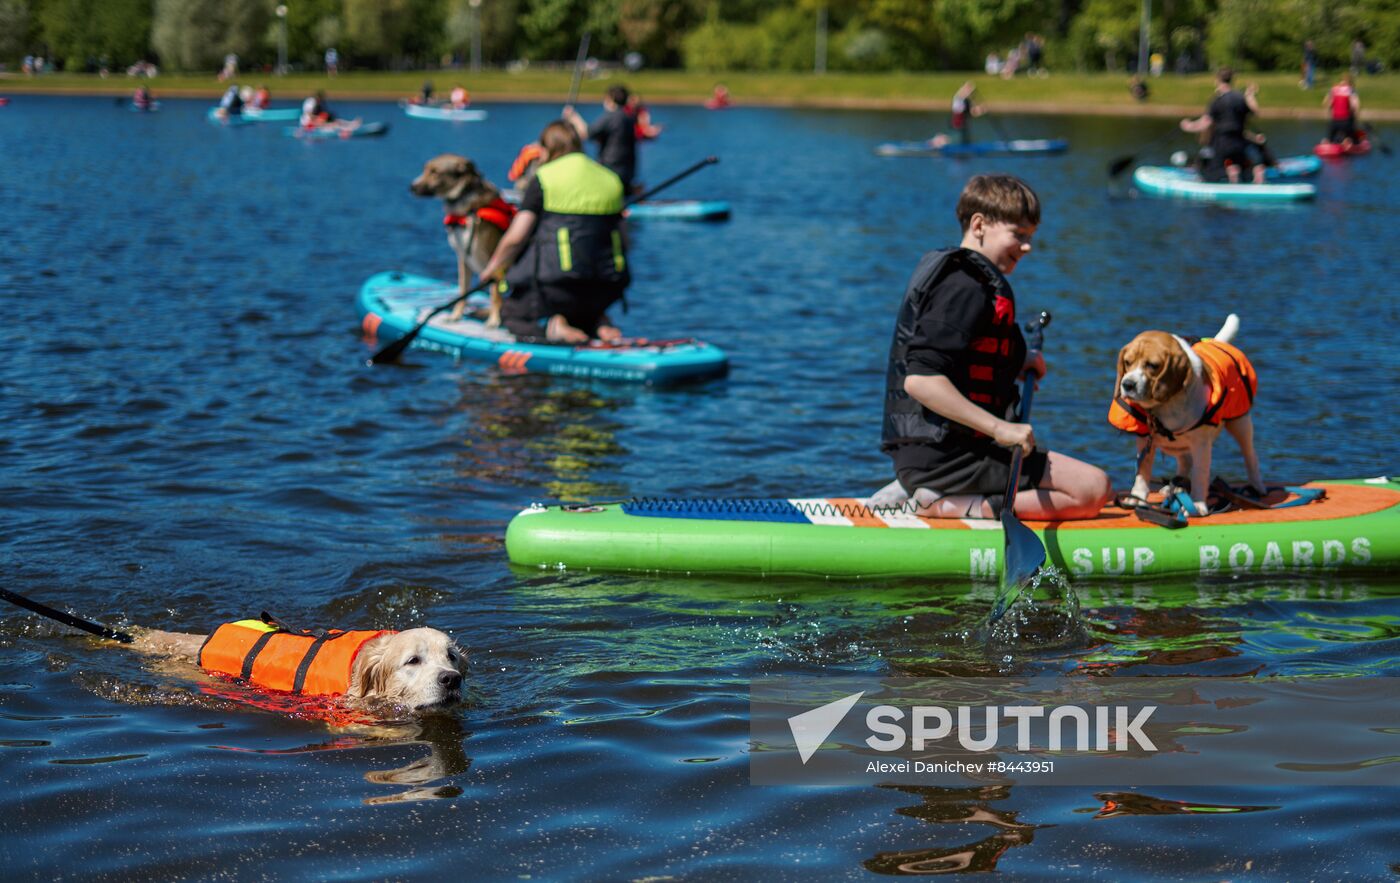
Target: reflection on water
(1125,803)
(1001,830)
(555,434)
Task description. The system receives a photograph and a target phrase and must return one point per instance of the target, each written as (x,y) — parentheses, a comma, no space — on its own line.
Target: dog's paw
(1202,509)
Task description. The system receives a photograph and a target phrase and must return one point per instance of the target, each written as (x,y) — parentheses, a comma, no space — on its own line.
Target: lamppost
(475,6)
(281,39)
(1144,31)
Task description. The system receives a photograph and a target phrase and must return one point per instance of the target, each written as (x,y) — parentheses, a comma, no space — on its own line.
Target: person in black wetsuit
(616,134)
(1226,119)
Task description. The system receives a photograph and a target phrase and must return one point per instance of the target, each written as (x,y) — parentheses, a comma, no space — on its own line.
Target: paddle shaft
(392,352)
(93,628)
(1034,340)
(578,67)
(707,161)
(1117,167)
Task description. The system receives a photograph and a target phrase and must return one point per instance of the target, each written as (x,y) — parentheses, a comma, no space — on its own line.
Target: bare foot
(609,334)
(559,330)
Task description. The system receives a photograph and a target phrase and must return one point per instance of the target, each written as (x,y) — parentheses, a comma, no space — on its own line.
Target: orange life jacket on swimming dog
(262,652)
(1230,383)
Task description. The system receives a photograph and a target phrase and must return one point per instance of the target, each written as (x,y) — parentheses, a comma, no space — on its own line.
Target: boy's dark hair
(618,95)
(1000,199)
(1225,75)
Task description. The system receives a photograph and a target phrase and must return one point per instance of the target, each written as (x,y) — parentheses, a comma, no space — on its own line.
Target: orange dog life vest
(1230,381)
(264,654)
(528,154)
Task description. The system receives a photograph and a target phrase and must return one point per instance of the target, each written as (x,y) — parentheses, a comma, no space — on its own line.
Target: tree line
(706,35)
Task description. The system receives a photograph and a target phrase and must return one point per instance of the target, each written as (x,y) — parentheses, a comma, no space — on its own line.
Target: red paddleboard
(1355,148)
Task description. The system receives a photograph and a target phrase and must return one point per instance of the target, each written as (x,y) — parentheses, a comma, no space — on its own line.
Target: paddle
(392,352)
(578,67)
(1116,167)
(996,124)
(93,628)
(1375,136)
(1024,552)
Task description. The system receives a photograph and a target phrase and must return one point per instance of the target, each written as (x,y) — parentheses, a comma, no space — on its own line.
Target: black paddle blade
(392,352)
(1025,555)
(1120,164)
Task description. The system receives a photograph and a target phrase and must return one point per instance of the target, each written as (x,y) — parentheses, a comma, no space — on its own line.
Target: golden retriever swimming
(420,668)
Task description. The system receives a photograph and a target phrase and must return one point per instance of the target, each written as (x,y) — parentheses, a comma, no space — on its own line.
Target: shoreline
(1034,108)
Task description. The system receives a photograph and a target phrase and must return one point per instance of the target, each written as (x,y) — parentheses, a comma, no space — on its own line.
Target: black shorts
(1340,130)
(966,467)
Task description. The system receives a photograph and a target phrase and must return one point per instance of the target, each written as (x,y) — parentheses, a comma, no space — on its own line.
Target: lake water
(191,435)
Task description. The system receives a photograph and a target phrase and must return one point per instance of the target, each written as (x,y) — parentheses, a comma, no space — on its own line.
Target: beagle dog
(1175,396)
(476,218)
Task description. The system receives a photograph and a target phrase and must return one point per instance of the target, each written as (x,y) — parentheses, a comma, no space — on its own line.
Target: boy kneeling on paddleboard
(951,384)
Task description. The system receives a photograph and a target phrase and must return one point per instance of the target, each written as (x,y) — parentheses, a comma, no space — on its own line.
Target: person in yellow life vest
(1231,381)
(564,257)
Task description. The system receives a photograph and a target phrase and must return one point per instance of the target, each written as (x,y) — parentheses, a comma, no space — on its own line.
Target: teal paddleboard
(391,304)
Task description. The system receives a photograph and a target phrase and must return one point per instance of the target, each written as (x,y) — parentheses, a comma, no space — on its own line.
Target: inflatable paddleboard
(1333,151)
(1294,167)
(1187,184)
(660,209)
(446,114)
(272,114)
(391,304)
(679,210)
(977,148)
(331,133)
(1355,527)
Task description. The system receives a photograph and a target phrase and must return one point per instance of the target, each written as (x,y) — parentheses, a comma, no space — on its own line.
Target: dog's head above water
(448,176)
(1152,368)
(419,668)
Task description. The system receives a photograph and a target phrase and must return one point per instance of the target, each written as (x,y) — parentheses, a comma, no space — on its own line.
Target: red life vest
(1341,102)
(1230,387)
(988,367)
(498,212)
(265,654)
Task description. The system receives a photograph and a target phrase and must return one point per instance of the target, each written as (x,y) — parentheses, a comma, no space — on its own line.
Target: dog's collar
(456,220)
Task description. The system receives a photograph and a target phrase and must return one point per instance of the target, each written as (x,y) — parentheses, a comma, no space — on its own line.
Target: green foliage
(80,33)
(388,31)
(715,46)
(197,34)
(656,28)
(712,35)
(550,29)
(14,29)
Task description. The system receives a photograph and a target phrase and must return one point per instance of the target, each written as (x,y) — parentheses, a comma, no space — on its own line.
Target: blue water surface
(190,434)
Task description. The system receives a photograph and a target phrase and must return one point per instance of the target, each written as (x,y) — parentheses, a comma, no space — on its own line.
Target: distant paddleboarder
(964,109)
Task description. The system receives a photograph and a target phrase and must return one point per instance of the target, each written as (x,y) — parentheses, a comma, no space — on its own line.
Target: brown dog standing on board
(1176,396)
(476,218)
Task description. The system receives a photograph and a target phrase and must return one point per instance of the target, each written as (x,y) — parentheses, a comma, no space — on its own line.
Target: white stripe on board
(821,511)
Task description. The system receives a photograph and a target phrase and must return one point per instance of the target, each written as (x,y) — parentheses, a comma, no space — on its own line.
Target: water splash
(1045,615)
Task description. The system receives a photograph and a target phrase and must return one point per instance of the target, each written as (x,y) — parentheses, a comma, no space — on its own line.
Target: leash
(92,628)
